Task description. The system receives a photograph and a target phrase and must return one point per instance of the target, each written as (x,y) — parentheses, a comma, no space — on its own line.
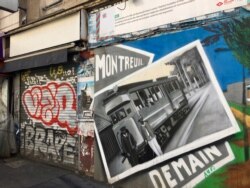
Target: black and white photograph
(167,108)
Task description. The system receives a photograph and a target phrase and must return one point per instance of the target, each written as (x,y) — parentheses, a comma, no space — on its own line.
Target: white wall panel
(8,21)
(57,32)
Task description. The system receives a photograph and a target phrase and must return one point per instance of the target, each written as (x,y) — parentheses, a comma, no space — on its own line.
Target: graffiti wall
(48,114)
(221,163)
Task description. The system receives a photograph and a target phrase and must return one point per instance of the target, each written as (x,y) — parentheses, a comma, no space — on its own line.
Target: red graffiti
(54,103)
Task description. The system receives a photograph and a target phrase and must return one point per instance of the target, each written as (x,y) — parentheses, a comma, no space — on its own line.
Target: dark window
(154,94)
(121,114)
(114,118)
(168,88)
(150,99)
(118,116)
(128,111)
(158,92)
(175,85)
(137,101)
(144,97)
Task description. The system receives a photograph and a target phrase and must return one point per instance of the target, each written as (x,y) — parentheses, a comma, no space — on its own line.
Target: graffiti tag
(52,104)
(49,144)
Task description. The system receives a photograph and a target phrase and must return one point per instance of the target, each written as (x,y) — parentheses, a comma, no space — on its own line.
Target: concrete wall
(42,8)
(4,144)
(8,21)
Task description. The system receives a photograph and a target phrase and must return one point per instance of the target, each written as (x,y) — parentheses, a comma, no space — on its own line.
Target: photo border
(188,147)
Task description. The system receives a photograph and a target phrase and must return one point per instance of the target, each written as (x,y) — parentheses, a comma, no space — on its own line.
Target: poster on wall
(85,95)
(150,109)
(85,87)
(132,16)
(189,169)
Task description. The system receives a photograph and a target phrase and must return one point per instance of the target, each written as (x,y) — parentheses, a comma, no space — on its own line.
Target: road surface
(207,116)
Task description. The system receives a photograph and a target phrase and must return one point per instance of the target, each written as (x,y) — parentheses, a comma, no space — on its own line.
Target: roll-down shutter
(48,114)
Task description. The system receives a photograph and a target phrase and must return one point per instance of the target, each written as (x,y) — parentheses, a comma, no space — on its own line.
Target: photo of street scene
(161,111)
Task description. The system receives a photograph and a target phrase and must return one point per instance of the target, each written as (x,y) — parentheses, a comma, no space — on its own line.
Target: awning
(54,57)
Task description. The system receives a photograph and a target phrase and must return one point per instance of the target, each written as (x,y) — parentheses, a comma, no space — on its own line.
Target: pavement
(17,172)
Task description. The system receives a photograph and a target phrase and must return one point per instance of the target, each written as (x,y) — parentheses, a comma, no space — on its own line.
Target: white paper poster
(131,16)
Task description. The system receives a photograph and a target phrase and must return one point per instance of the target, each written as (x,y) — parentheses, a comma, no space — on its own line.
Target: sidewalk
(22,173)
